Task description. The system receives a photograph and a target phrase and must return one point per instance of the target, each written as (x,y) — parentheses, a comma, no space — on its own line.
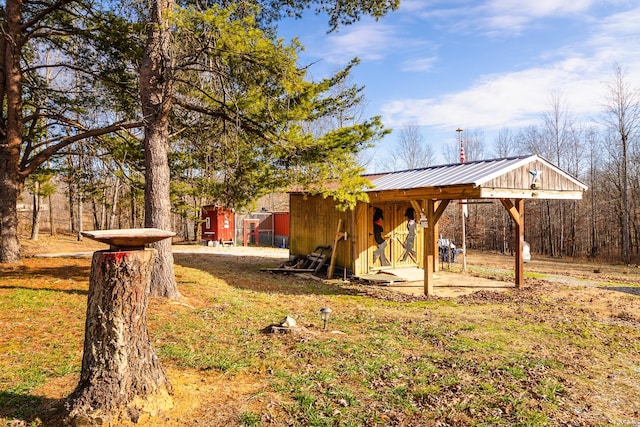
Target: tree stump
(121,376)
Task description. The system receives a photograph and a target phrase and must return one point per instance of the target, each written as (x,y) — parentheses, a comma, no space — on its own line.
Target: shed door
(395,232)
(376,262)
(405,254)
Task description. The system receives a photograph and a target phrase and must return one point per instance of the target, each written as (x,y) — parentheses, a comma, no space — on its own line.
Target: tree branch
(29,165)
(43,13)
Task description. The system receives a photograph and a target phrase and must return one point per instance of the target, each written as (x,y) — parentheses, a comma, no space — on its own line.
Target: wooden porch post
(436,233)
(516,211)
(429,243)
(435,208)
(420,209)
(519,243)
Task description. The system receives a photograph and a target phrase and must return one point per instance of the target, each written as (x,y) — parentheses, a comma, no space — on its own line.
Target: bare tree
(505,144)
(622,117)
(412,151)
(473,143)
(558,129)
(558,125)
(594,146)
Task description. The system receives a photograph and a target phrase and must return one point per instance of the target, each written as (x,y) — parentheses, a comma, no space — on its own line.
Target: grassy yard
(547,355)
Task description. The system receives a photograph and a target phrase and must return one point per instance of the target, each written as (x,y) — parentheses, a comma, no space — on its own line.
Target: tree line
(605,155)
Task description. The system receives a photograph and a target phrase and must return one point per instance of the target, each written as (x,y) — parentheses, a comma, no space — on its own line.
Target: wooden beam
(430,240)
(419,207)
(440,210)
(516,211)
(416,206)
(436,193)
(439,207)
(470,192)
(502,193)
(352,255)
(520,244)
(511,209)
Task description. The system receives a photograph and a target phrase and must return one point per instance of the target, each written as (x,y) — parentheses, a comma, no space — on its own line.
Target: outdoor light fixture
(325,312)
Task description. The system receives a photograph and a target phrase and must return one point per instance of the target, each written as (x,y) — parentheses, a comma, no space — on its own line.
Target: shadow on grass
(243,272)
(43,278)
(31,288)
(59,271)
(31,410)
(626,289)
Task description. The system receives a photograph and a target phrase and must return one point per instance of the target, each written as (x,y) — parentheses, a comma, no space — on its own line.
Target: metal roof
(471,173)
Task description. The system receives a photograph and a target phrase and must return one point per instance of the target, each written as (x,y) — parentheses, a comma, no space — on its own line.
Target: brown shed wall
(312,223)
(314,219)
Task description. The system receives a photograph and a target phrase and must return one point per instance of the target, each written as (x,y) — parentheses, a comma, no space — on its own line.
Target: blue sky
(479,65)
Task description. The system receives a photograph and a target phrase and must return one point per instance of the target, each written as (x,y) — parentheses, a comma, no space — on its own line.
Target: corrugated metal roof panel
(474,173)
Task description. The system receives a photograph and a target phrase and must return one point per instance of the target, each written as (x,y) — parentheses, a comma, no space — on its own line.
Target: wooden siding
(314,219)
(312,223)
(520,178)
(360,241)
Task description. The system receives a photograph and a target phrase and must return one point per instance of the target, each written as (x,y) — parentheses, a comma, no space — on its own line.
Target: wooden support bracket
(516,211)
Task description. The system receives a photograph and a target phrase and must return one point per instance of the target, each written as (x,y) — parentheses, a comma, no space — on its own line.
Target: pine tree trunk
(121,376)
(9,243)
(155,93)
(11,182)
(94,211)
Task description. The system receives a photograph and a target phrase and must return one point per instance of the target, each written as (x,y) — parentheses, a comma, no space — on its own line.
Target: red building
(218,224)
(281,229)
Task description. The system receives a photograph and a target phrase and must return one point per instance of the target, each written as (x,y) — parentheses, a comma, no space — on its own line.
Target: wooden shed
(314,220)
(218,224)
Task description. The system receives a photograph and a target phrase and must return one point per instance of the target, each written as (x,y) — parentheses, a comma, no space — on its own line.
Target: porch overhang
(510,180)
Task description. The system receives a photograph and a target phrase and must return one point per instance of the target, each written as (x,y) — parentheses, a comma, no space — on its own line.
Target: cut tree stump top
(128,238)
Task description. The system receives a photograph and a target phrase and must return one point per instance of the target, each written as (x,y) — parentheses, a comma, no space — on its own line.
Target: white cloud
(369,41)
(374,41)
(538,8)
(579,72)
(514,99)
(419,64)
(495,17)
(616,40)
(414,5)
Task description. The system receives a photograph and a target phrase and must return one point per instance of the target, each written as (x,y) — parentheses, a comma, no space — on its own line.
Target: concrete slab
(448,284)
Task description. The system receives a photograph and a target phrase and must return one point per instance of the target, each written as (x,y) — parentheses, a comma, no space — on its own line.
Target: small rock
(288,322)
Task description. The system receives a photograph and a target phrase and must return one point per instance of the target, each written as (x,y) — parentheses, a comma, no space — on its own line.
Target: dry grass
(550,354)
